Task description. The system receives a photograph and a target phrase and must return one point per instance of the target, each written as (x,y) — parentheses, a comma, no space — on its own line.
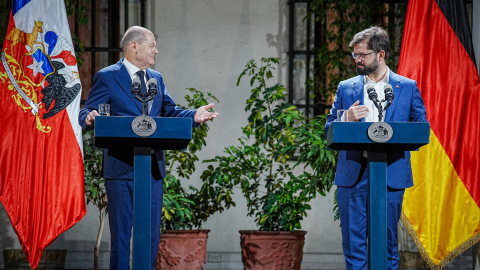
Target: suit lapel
(358,94)
(124,80)
(394,81)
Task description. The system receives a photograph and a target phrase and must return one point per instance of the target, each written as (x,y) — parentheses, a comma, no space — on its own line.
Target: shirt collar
(385,79)
(131,68)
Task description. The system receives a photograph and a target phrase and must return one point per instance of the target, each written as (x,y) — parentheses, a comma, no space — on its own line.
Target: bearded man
(371,48)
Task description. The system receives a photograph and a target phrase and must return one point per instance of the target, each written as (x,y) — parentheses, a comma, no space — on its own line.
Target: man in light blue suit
(113,85)
(371,48)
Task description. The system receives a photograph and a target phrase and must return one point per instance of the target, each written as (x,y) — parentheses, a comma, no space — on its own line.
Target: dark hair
(134,33)
(377,39)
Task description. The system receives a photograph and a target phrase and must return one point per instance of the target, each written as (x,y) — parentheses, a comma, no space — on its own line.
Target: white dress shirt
(132,70)
(372,115)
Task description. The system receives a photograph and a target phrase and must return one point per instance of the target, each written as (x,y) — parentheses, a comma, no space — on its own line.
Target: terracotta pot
(51,259)
(182,250)
(412,260)
(263,250)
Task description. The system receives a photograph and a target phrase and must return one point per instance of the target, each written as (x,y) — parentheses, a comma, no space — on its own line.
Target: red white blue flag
(41,167)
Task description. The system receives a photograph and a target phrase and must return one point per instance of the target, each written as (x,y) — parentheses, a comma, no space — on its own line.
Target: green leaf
(289,118)
(269,74)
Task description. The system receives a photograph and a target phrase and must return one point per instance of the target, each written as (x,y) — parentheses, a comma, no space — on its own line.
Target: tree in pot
(94,185)
(276,197)
(183,242)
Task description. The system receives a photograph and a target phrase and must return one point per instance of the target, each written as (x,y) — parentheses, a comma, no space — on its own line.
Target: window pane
(299,80)
(312,32)
(134,15)
(101,24)
(85,74)
(101,60)
(300,27)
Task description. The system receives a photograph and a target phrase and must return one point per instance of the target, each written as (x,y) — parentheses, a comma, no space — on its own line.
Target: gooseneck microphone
(372,95)
(136,87)
(152,89)
(389,96)
(144,98)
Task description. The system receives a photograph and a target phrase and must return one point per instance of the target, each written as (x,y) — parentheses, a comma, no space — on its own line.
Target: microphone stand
(145,98)
(372,95)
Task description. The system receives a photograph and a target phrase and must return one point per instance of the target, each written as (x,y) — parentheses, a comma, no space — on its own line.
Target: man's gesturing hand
(202,114)
(91,117)
(357,112)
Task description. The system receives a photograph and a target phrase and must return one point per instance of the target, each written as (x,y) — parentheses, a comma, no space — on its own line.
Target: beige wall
(205,44)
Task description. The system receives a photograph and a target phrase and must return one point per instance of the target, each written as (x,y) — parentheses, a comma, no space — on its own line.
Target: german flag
(442,210)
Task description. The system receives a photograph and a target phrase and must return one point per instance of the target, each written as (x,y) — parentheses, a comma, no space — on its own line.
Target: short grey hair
(134,33)
(376,37)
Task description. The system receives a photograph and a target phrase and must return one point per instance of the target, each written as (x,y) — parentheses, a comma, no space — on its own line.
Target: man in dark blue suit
(371,48)
(113,85)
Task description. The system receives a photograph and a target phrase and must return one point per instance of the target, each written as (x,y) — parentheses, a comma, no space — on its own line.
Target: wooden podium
(407,136)
(116,132)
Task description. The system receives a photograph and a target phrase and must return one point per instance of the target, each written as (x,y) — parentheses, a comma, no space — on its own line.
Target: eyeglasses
(361,55)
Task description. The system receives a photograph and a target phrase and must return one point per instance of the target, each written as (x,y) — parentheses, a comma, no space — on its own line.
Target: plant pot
(412,260)
(279,250)
(51,259)
(182,250)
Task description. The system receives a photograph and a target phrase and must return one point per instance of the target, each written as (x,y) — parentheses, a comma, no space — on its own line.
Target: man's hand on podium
(91,118)
(357,112)
(202,114)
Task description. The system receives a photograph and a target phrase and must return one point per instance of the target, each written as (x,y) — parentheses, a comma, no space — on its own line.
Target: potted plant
(94,185)
(183,241)
(260,165)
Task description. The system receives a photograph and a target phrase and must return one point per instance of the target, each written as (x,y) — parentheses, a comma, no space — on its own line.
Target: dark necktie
(141,75)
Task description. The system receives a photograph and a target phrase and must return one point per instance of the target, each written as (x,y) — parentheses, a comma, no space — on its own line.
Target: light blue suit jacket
(113,85)
(407,106)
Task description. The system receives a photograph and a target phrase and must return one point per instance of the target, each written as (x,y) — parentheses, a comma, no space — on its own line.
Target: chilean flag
(442,210)
(41,166)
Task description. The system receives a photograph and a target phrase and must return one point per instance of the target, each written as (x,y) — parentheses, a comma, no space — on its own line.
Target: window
(101,36)
(302,40)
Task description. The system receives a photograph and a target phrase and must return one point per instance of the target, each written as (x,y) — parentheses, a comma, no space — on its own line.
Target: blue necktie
(141,75)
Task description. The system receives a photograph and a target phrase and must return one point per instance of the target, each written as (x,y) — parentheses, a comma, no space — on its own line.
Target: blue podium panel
(377,211)
(116,132)
(173,133)
(142,213)
(407,136)
(354,136)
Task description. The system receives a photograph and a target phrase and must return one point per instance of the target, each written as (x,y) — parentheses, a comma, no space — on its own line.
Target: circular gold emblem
(144,126)
(380,132)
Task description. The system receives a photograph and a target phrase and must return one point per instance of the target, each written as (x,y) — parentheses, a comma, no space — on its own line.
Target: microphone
(388,92)
(136,87)
(372,95)
(152,86)
(388,95)
(152,89)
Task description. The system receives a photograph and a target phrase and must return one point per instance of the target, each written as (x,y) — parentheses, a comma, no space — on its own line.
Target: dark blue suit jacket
(407,106)
(113,85)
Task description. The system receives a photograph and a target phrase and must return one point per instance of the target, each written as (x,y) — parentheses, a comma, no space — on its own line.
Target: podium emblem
(144,126)
(380,132)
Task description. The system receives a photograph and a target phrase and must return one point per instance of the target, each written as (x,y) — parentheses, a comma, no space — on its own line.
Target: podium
(407,136)
(116,132)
